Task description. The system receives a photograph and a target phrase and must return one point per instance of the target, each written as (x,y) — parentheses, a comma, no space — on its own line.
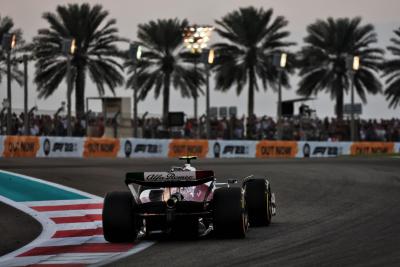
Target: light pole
(353,64)
(208,60)
(25,58)
(196,38)
(279,61)
(8,43)
(68,48)
(26,118)
(135,54)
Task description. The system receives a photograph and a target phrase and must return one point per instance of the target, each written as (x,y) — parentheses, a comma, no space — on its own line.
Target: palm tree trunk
(339,103)
(250,103)
(80,91)
(166,99)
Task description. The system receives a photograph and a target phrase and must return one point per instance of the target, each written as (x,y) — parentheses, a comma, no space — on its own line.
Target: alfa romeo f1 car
(188,202)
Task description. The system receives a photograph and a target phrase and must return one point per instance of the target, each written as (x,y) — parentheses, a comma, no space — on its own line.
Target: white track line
(69,213)
(60,202)
(23,261)
(79,226)
(73,241)
(80,258)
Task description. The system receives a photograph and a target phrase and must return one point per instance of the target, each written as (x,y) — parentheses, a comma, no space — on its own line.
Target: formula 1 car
(186,202)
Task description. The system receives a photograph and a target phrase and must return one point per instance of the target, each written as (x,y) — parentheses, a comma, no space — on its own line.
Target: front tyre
(230,217)
(119,221)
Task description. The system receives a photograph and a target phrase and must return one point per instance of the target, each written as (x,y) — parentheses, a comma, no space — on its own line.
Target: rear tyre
(119,221)
(258,200)
(230,217)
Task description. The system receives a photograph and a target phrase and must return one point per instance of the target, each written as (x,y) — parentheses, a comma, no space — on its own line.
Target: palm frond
(391,71)
(97,53)
(7,26)
(252,36)
(164,62)
(328,44)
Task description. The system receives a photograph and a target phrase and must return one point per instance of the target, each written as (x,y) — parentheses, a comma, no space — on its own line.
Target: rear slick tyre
(119,221)
(230,217)
(258,200)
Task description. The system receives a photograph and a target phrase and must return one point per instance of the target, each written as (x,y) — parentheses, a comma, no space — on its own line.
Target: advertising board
(60,147)
(276,149)
(185,147)
(143,148)
(231,149)
(369,148)
(20,146)
(311,149)
(100,147)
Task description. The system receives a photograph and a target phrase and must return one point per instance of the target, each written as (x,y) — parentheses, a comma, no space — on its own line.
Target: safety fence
(86,147)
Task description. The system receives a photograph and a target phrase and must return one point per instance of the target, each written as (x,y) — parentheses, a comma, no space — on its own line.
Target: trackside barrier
(101,147)
(360,148)
(185,147)
(86,147)
(143,148)
(60,147)
(322,149)
(397,148)
(20,146)
(276,149)
(231,149)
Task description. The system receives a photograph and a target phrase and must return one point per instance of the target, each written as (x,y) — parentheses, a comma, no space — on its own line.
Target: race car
(186,202)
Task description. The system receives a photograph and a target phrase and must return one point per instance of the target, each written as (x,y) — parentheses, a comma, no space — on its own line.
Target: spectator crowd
(296,128)
(253,128)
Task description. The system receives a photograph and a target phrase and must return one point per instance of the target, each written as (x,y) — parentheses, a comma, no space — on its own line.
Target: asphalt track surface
(331,212)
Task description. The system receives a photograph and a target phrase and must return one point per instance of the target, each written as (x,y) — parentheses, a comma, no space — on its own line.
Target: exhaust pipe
(171,202)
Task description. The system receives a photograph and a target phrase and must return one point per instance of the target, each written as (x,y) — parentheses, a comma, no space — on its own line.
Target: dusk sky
(384,15)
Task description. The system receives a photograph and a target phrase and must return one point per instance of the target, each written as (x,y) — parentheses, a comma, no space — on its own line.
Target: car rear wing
(169,179)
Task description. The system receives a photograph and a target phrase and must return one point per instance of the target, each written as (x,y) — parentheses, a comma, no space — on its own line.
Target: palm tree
(96,53)
(329,44)
(392,72)
(6,26)
(253,36)
(164,62)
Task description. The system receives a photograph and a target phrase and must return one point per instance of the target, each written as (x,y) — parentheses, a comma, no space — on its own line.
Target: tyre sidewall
(119,221)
